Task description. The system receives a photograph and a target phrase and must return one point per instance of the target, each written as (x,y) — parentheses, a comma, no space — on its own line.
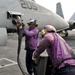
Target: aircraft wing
(73,17)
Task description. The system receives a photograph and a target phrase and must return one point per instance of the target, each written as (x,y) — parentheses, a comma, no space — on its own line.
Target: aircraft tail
(73,17)
(59,10)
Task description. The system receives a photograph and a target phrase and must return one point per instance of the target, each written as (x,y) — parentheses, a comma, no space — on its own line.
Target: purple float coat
(31,38)
(56,47)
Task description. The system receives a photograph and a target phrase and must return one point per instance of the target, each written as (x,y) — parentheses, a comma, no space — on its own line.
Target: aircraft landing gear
(66,33)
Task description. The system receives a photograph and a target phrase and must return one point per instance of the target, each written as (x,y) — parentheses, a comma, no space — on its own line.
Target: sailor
(31,41)
(60,53)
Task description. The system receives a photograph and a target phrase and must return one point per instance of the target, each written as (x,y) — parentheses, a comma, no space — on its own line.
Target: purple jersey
(31,38)
(57,49)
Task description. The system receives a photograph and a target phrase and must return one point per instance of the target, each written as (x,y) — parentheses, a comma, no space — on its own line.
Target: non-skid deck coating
(8,55)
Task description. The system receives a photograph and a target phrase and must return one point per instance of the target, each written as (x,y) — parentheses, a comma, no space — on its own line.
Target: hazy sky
(68,6)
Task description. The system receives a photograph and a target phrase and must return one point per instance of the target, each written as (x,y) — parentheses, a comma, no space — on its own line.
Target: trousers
(30,64)
(67,70)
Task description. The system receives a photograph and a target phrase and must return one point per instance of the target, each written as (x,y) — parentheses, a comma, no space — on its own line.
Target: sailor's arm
(41,48)
(31,33)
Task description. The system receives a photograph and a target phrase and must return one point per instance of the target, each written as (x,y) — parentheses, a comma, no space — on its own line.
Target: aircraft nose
(60,23)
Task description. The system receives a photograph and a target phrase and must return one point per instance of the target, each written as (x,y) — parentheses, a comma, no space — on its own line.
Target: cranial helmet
(32,22)
(50,28)
(47,28)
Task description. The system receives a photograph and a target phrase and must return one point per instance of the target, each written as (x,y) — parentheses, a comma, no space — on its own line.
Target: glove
(20,27)
(34,58)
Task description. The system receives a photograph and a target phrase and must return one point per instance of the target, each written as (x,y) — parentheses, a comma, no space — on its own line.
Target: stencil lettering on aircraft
(28,5)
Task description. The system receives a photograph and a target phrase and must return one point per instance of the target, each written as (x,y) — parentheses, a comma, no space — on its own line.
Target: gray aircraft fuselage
(30,10)
(27,9)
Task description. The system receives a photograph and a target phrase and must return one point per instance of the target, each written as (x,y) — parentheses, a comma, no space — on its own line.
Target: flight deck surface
(8,54)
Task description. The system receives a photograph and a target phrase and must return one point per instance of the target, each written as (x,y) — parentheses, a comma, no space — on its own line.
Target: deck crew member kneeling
(60,53)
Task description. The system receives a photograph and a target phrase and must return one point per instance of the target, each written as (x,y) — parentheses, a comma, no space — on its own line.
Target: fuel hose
(20,34)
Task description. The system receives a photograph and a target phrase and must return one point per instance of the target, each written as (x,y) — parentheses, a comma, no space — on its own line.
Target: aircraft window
(12,14)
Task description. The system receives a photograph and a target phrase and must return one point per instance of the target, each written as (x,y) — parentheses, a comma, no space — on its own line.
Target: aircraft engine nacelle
(3,36)
(71,24)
